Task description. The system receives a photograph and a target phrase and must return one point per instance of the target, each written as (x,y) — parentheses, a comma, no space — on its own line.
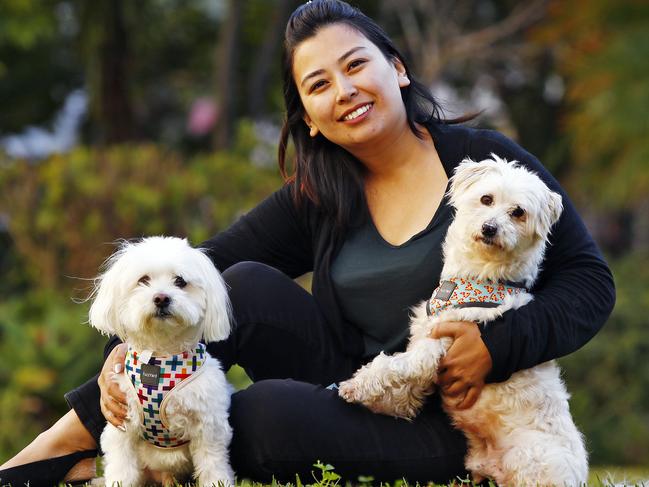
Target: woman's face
(349,90)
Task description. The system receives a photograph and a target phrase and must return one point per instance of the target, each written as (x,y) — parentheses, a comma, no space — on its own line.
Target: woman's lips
(356,114)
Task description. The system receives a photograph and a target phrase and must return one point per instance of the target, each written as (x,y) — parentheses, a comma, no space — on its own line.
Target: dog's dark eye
(487,200)
(180,282)
(517,212)
(144,280)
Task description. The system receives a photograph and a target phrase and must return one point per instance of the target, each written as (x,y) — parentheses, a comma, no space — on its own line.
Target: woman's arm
(573,296)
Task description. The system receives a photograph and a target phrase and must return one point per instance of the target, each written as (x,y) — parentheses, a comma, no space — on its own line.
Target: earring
(313,130)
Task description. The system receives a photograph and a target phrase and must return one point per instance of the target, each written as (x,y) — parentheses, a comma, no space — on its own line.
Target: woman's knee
(257,285)
(242,278)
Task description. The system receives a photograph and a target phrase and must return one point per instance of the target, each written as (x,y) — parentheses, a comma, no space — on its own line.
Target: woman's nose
(346,90)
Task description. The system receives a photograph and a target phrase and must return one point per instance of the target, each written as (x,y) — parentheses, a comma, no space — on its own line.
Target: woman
(365,211)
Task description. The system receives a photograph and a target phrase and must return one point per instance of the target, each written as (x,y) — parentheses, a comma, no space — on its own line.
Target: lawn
(611,475)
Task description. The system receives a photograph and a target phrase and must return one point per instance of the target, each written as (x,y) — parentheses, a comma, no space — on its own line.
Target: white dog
(160,296)
(519,432)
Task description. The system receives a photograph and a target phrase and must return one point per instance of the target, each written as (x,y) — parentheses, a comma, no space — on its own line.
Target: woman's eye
(144,280)
(517,212)
(487,200)
(317,85)
(355,63)
(180,282)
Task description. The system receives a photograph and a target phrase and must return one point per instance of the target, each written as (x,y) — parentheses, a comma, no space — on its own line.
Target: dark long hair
(324,172)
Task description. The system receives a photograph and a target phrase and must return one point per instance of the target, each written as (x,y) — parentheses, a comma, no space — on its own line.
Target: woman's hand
(113,400)
(462,371)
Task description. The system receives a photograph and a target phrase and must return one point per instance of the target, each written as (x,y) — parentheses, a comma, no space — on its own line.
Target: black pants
(288,419)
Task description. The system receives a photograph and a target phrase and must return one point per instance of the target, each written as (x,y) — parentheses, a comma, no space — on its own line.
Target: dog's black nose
(161,300)
(489,230)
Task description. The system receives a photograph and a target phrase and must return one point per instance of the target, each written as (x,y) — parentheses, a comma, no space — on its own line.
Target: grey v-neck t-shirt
(378,283)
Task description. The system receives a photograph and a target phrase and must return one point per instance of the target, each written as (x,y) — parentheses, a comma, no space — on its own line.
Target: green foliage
(23,23)
(601,53)
(46,350)
(64,211)
(37,65)
(328,477)
(609,377)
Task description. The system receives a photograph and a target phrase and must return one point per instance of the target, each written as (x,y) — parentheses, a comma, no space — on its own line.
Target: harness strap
(470,293)
(154,379)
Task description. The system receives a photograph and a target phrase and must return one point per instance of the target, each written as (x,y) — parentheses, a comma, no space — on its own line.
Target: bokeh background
(123,118)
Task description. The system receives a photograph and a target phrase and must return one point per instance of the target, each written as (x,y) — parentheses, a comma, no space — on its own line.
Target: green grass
(608,475)
(324,475)
(599,477)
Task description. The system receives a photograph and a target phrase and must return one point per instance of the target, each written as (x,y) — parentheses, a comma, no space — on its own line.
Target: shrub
(46,351)
(64,213)
(609,377)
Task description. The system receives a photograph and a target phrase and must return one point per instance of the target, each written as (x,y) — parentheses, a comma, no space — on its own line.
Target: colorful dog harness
(154,379)
(470,293)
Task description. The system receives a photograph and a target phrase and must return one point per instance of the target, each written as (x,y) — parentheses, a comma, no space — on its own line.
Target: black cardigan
(574,293)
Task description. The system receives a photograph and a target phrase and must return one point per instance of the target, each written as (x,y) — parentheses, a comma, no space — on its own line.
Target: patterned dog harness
(470,293)
(154,379)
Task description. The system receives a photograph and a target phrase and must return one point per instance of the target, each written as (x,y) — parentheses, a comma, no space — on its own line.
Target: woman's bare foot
(66,436)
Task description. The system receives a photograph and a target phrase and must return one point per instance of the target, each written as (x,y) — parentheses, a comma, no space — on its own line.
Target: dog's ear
(554,205)
(466,174)
(218,311)
(106,297)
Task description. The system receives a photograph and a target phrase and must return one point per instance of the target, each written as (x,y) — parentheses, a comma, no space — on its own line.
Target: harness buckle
(445,290)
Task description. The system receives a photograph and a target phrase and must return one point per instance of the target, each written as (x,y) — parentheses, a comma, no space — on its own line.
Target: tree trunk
(106,44)
(226,75)
(265,59)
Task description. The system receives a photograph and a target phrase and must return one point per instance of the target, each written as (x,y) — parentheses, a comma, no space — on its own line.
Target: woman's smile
(357,114)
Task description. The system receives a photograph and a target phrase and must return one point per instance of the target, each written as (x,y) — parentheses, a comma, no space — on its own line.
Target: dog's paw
(357,391)
(348,391)
(364,388)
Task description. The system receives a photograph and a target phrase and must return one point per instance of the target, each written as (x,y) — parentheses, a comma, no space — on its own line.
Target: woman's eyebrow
(318,72)
(349,53)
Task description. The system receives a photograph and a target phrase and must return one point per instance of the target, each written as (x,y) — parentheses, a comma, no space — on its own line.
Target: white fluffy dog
(519,432)
(160,296)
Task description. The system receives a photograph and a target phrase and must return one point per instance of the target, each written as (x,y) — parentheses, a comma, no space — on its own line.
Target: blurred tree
(25,23)
(105,38)
(38,64)
(440,33)
(602,48)
(142,63)
(226,68)
(266,58)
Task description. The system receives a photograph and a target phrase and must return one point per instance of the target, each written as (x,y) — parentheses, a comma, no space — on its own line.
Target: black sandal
(45,473)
